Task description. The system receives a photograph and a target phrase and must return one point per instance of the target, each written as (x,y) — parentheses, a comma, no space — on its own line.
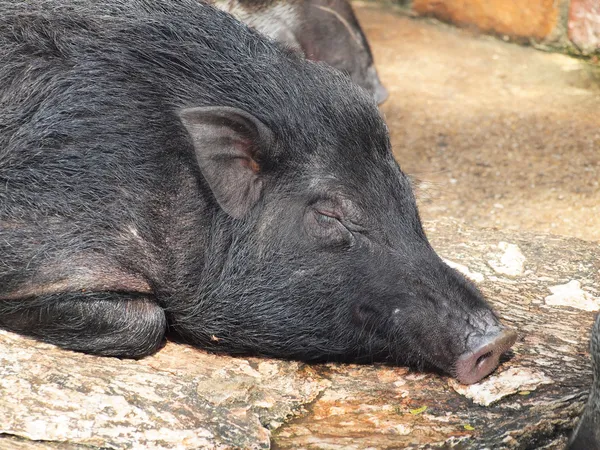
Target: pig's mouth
(476,364)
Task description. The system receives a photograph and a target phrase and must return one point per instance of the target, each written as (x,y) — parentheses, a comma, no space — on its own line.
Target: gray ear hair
(229,144)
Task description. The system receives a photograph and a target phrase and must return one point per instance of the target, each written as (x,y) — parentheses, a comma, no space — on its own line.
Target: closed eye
(327,216)
(327,213)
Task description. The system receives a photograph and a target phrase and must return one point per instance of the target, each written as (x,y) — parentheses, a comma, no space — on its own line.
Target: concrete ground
(494,133)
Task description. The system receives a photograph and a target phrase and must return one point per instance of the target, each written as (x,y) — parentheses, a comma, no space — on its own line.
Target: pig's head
(327,258)
(330,32)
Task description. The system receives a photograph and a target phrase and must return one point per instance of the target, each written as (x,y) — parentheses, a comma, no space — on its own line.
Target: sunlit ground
(494,133)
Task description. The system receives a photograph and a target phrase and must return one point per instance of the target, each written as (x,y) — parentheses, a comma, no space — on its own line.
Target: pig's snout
(484,355)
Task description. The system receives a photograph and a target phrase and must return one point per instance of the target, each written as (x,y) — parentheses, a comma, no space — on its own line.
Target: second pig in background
(324,30)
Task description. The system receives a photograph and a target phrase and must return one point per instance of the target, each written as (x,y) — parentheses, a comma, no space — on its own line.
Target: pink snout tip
(472,366)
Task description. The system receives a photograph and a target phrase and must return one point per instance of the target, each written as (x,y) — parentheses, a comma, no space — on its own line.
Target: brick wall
(572,26)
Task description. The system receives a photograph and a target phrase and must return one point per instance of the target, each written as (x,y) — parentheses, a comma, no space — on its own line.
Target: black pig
(174,169)
(587,433)
(324,30)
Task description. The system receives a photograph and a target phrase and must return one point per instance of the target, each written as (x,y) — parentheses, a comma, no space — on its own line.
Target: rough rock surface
(584,24)
(184,398)
(179,398)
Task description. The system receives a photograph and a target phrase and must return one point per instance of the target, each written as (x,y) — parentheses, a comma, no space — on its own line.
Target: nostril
(483,357)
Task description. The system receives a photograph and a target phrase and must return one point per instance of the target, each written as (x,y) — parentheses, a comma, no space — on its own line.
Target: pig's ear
(229,143)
